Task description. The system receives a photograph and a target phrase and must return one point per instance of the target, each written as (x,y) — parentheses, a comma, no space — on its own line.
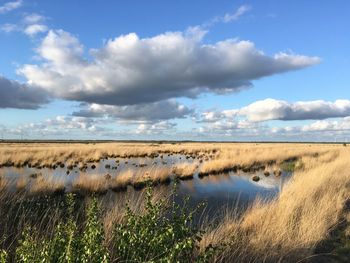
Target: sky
(175,70)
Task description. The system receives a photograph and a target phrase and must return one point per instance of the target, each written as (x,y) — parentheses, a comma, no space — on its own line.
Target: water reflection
(230,189)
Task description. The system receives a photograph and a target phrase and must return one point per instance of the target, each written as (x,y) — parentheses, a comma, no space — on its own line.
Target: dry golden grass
(226,155)
(4,183)
(245,155)
(158,174)
(44,185)
(290,227)
(48,154)
(123,179)
(21,183)
(185,170)
(92,183)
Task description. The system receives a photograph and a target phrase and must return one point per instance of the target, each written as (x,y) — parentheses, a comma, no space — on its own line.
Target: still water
(231,189)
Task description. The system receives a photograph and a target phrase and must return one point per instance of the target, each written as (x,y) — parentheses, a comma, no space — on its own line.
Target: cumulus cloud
(9,6)
(271,109)
(59,125)
(216,115)
(321,130)
(162,110)
(17,95)
(131,70)
(231,128)
(250,122)
(339,125)
(156,128)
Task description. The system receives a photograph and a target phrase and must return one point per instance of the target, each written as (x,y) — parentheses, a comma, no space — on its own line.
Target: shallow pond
(231,189)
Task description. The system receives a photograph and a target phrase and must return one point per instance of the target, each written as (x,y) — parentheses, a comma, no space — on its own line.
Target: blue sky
(203,70)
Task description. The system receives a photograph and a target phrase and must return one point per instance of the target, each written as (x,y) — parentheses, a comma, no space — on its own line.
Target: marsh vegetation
(132,202)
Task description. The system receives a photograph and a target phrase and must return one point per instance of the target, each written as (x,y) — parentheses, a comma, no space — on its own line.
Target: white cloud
(250,122)
(339,125)
(9,6)
(31,25)
(156,111)
(227,18)
(216,115)
(231,128)
(67,122)
(33,18)
(17,95)
(271,109)
(322,130)
(156,128)
(58,126)
(34,29)
(129,70)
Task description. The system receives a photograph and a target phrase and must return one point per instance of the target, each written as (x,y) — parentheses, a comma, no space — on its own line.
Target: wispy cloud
(34,29)
(236,15)
(33,18)
(9,6)
(31,25)
(227,18)
(8,28)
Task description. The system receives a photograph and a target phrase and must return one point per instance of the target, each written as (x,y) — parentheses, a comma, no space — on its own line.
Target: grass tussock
(43,185)
(90,183)
(185,171)
(122,180)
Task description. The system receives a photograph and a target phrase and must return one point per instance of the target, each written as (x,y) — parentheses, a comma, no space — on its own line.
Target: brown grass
(122,180)
(92,183)
(185,170)
(48,154)
(44,185)
(290,227)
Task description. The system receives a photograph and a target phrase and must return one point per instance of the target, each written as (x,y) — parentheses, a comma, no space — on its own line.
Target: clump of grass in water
(291,166)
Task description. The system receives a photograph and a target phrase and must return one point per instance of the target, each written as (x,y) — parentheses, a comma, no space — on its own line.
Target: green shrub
(66,245)
(30,249)
(93,249)
(3,256)
(162,234)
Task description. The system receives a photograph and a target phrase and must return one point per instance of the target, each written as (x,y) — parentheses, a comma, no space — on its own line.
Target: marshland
(174,202)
